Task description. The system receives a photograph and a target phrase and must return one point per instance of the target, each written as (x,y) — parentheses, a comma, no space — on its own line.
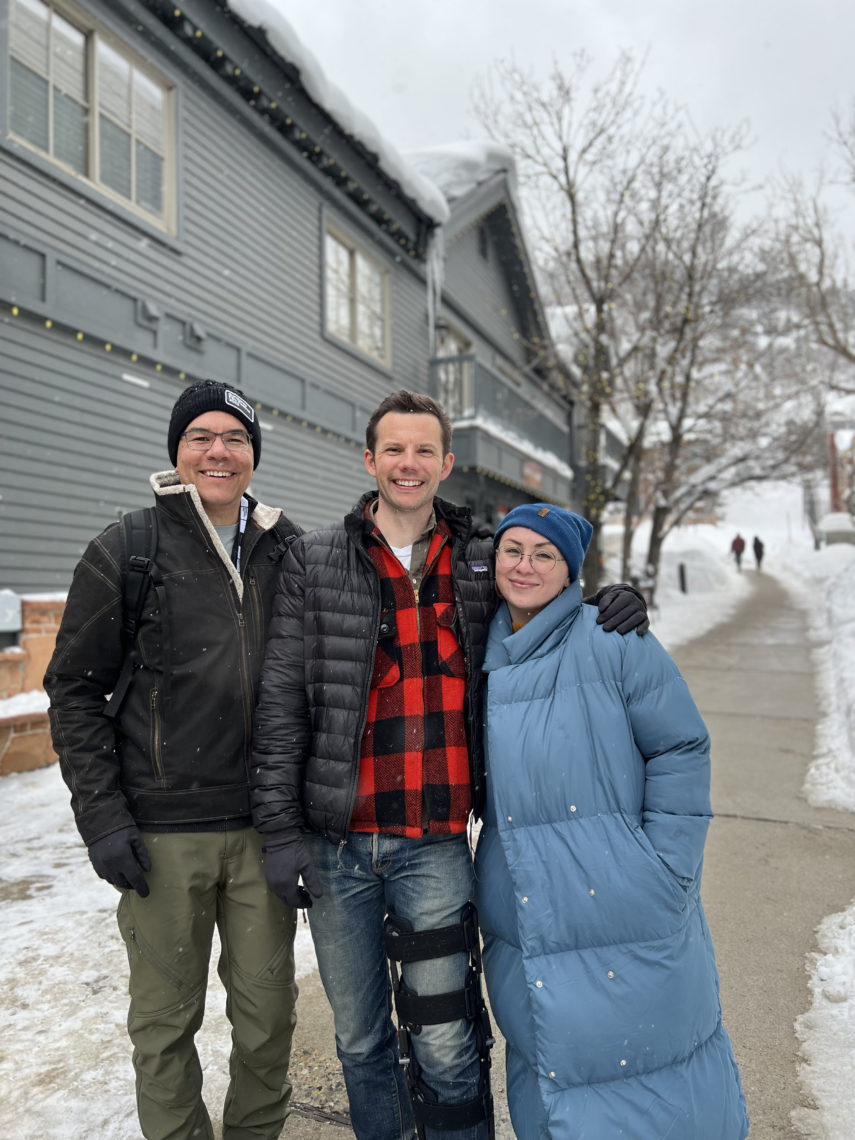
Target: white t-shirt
(404,555)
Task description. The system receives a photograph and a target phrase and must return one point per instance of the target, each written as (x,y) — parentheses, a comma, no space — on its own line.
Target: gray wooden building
(175,204)
(495,367)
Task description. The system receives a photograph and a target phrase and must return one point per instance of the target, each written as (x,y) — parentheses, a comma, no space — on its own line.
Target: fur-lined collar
(166,483)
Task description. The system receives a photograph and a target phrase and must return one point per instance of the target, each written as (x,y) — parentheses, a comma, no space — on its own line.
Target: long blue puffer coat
(598,960)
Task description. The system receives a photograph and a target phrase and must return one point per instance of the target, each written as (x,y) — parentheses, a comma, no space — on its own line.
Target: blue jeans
(426,881)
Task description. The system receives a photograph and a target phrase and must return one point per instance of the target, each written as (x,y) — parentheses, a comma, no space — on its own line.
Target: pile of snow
(34,701)
(458,167)
(827,1032)
(836,527)
(695,557)
(828,591)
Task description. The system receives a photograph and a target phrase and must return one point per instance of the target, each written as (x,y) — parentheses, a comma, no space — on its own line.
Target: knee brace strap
(403,944)
(433,1009)
(451,1117)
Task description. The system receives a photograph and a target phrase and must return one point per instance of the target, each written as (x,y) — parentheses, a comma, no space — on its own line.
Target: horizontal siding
(482,287)
(79,445)
(77,463)
(249,263)
(313,479)
(284,297)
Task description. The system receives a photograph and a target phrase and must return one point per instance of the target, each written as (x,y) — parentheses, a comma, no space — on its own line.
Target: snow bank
(827,1032)
(714,587)
(822,585)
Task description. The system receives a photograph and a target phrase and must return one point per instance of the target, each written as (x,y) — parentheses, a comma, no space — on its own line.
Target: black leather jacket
(177,756)
(317,672)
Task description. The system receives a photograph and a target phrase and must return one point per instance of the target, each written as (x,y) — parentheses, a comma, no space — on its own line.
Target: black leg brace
(405,945)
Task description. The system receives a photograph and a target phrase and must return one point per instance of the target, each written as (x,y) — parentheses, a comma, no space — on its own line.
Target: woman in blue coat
(597,955)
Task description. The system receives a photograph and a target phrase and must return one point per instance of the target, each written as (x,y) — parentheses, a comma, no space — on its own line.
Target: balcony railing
(468,389)
(510,438)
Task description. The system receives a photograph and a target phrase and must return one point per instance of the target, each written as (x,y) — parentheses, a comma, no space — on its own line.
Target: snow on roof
(284,40)
(458,167)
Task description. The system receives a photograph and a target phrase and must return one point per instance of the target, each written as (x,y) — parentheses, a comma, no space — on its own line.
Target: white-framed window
(86,101)
(456,372)
(357,296)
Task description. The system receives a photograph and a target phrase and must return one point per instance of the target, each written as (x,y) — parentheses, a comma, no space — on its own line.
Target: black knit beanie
(212,396)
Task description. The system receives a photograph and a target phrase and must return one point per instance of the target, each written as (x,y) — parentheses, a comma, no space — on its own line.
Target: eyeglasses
(198,440)
(542,561)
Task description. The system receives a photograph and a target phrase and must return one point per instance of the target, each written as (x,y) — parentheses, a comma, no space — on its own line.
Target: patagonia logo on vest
(236,401)
(478,567)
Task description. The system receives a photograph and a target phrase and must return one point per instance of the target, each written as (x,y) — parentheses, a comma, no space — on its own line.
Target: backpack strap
(285,535)
(137,548)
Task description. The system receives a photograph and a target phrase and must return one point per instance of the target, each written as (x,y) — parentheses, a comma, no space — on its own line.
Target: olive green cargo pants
(197,880)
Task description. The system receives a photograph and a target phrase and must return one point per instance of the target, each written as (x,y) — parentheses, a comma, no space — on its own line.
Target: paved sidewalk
(774,868)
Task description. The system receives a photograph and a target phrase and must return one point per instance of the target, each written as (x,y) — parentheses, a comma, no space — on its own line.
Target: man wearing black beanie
(159,771)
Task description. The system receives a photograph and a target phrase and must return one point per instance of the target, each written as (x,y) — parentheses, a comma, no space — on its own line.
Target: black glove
(285,860)
(622,608)
(121,858)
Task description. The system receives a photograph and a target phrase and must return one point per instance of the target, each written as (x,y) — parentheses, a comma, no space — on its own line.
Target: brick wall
(12,666)
(25,736)
(25,743)
(39,626)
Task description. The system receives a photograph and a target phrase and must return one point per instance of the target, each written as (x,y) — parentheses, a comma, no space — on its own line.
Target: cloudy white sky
(780,64)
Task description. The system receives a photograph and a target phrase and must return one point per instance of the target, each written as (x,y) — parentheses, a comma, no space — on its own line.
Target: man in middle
(367,764)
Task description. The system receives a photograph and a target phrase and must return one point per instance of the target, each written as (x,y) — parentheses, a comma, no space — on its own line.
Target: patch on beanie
(236,401)
(543,512)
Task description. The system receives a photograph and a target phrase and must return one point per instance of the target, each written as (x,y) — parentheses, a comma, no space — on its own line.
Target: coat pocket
(658,868)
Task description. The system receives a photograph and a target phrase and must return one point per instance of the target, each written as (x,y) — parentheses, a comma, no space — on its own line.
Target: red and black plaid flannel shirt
(414,763)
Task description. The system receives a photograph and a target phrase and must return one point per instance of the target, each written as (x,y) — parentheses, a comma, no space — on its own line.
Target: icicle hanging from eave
(435,277)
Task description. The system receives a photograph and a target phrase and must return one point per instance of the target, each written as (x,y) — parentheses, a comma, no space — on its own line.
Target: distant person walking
(758,551)
(737,548)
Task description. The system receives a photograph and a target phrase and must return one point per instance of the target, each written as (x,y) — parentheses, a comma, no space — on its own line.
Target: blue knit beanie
(570,533)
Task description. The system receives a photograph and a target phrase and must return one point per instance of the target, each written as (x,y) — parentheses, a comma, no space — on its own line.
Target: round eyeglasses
(541,561)
(199,440)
